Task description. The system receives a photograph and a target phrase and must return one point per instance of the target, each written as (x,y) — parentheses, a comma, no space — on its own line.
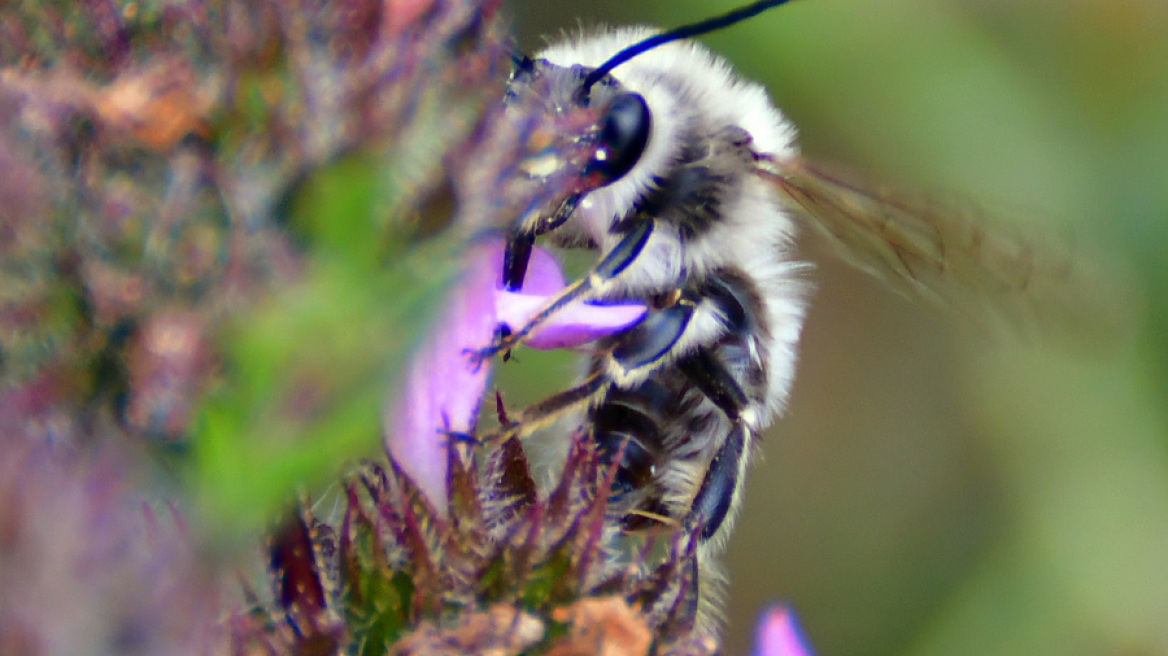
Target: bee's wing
(951,255)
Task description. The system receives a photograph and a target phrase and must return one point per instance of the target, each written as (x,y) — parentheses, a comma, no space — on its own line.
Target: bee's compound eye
(623,137)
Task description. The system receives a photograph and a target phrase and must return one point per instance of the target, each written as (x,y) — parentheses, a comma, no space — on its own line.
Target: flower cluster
(452,550)
(443,388)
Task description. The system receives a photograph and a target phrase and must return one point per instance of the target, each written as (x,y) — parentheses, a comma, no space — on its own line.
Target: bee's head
(578,137)
(602,130)
(602,126)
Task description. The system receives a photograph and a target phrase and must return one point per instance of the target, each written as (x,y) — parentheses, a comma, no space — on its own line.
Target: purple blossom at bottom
(778,634)
(443,387)
(89,566)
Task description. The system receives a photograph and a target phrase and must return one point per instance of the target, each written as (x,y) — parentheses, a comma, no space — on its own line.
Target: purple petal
(443,388)
(576,324)
(779,635)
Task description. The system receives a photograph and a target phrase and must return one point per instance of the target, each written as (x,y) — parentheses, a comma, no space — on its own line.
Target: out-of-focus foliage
(222,198)
(929,493)
(227,225)
(223,225)
(91,566)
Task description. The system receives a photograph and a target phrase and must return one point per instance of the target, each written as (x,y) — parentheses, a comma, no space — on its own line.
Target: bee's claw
(493,438)
(478,356)
(499,435)
(504,343)
(461,437)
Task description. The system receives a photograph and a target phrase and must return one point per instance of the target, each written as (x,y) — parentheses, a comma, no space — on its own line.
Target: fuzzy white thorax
(686,88)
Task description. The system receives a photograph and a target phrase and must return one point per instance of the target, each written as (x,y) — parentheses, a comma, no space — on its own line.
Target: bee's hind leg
(718,496)
(710,517)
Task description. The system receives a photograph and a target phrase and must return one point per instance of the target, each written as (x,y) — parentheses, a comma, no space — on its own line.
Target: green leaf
(307,374)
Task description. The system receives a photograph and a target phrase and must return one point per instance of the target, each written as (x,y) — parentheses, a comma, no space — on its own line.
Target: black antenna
(677,33)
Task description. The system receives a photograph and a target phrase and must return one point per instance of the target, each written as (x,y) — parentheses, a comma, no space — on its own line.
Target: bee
(696,188)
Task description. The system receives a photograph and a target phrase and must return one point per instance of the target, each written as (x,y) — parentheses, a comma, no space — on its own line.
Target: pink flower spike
(779,634)
(443,388)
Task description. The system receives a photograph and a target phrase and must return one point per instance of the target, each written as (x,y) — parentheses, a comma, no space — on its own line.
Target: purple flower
(87,567)
(779,634)
(443,388)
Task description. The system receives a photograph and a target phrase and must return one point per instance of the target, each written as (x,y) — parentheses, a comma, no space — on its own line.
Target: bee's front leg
(615,261)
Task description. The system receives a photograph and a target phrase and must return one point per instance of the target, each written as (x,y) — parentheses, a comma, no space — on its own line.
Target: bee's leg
(709,589)
(711,514)
(544,412)
(715,381)
(644,345)
(651,337)
(715,504)
(718,495)
(617,260)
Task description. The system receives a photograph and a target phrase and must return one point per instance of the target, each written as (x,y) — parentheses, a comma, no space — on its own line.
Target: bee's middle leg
(649,340)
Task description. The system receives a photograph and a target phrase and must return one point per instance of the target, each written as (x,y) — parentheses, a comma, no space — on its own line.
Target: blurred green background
(930,491)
